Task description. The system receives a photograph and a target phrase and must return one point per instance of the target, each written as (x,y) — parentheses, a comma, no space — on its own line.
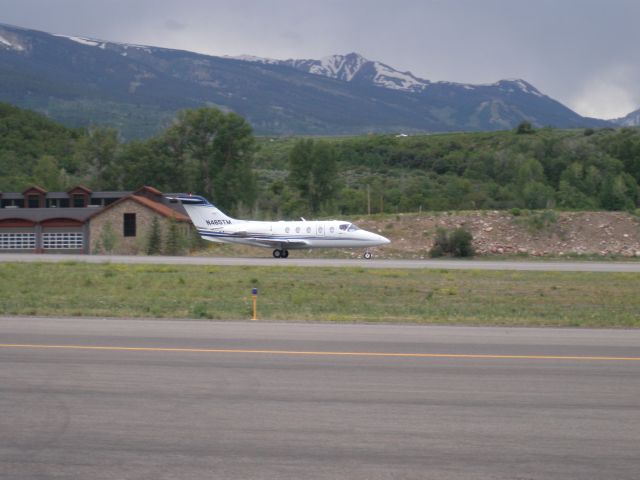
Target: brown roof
(155,206)
(79,187)
(160,208)
(36,188)
(153,190)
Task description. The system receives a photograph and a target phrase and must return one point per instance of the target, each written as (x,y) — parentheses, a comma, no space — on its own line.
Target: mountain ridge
(630,120)
(138,89)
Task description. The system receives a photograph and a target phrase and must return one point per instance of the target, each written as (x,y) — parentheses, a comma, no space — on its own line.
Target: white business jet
(282,236)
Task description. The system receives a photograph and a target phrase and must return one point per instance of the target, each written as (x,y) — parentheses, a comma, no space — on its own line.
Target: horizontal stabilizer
(188,199)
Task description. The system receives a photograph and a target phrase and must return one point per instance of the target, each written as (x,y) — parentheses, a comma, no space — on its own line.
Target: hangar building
(75,221)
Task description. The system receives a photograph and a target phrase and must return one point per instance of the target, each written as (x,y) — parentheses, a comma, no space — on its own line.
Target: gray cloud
(174,25)
(582,52)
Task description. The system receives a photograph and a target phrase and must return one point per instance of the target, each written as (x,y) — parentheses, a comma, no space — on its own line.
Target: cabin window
(33,201)
(308,229)
(332,229)
(78,200)
(319,229)
(129,225)
(297,229)
(286,230)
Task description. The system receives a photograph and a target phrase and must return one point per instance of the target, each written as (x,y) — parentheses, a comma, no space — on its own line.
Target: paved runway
(459,264)
(147,399)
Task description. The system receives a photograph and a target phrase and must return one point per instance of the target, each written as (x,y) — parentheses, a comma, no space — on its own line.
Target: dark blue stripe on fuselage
(274,237)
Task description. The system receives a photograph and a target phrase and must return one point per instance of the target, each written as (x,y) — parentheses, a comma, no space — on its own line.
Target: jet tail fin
(202,213)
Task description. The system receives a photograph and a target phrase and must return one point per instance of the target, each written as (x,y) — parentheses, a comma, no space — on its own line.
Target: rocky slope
(501,233)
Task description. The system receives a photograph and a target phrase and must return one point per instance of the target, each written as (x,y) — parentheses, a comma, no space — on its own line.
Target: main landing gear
(277,253)
(367,255)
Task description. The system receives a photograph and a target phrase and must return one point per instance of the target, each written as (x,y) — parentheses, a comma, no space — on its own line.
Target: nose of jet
(383,240)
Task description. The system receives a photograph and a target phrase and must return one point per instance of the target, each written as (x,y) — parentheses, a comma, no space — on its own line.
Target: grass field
(323,294)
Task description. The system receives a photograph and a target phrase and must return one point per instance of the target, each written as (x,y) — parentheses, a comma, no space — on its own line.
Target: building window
(129,225)
(78,200)
(33,201)
(64,203)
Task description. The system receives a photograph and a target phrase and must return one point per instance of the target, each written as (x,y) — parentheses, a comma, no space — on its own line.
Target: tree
(214,151)
(108,238)
(172,244)
(524,127)
(618,193)
(536,195)
(149,163)
(313,172)
(154,242)
(530,170)
(95,157)
(47,173)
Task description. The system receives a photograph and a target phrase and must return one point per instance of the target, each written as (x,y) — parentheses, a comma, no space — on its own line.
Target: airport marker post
(254,294)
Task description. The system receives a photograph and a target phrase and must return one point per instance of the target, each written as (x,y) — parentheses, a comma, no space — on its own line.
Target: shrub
(538,221)
(524,127)
(107,239)
(458,243)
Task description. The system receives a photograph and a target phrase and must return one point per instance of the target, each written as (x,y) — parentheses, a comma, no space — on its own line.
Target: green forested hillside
(546,168)
(209,152)
(33,149)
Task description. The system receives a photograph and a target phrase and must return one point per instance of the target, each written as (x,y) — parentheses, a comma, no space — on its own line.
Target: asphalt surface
(153,399)
(460,264)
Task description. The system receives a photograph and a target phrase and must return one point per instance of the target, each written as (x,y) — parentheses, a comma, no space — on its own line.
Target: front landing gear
(368,255)
(277,253)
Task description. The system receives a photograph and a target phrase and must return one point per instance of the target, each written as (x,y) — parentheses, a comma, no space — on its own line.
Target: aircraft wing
(279,243)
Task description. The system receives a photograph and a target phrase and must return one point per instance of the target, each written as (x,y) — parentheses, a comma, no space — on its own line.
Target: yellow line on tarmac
(343,354)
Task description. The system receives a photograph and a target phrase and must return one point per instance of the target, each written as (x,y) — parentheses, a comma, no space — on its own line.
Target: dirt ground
(554,234)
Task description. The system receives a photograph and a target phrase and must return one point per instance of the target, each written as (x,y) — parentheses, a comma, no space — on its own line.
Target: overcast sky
(584,53)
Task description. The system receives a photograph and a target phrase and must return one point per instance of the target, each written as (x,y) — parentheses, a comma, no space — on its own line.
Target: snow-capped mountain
(10,41)
(138,89)
(351,67)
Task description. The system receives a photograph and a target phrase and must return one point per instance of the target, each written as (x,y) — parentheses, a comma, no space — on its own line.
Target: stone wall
(115,216)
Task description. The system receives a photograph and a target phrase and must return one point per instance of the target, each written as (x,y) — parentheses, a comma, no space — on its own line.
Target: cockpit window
(352,228)
(344,227)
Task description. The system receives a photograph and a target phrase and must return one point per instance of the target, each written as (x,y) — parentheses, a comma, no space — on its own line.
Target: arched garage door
(17,234)
(62,234)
